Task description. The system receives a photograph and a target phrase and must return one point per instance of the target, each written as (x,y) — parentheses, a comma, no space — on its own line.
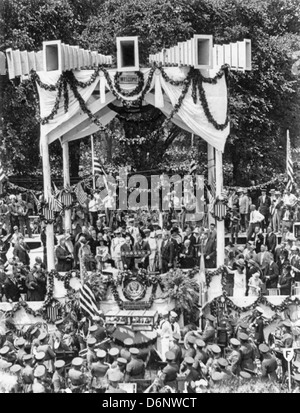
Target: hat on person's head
(244,325)
(16,368)
(20,341)
(252,262)
(28,357)
(40,355)
(176,336)
(158,232)
(115,376)
(245,375)
(121,360)
(286,323)
(101,354)
(170,356)
(118,231)
(272,190)
(189,360)
(210,317)
(33,331)
(77,361)
(173,314)
(263,348)
(59,364)
(164,312)
(235,341)
(216,376)
(91,341)
(296,377)
(42,336)
(191,339)
(223,362)
(147,230)
(15,227)
(215,349)
(134,351)
(39,371)
(4,350)
(200,343)
(128,341)
(114,352)
(263,190)
(240,263)
(277,193)
(259,310)
(59,322)
(243,336)
(93,328)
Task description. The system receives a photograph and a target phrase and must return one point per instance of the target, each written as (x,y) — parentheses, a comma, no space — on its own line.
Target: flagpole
(287,149)
(93,169)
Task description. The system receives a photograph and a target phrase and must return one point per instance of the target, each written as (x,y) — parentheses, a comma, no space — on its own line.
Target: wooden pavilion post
(66,174)
(211,173)
(47,193)
(220,224)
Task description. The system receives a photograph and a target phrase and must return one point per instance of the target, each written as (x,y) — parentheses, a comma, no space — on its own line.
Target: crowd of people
(87,358)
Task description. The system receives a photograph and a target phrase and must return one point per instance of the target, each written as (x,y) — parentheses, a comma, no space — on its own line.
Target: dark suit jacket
(94,243)
(11,290)
(22,253)
(63,264)
(168,252)
(285,284)
(188,260)
(272,270)
(263,207)
(191,238)
(271,241)
(129,261)
(210,248)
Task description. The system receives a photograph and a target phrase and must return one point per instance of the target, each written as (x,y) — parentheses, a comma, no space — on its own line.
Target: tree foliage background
(264,102)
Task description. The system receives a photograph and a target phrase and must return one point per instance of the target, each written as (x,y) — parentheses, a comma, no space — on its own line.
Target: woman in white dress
(153,248)
(239,286)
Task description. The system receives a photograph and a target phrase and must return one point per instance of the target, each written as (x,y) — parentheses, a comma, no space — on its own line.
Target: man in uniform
(124,352)
(91,354)
(169,372)
(234,357)
(113,354)
(98,371)
(286,342)
(77,380)
(41,383)
(7,354)
(59,381)
(20,343)
(114,381)
(247,353)
(212,364)
(268,364)
(176,349)
(27,373)
(209,331)
(46,348)
(190,351)
(186,368)
(164,332)
(259,326)
(100,332)
(242,328)
(174,323)
(201,355)
(135,369)
(223,369)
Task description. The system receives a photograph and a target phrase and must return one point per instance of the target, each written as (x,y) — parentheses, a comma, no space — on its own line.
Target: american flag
(98,169)
(87,300)
(54,204)
(211,196)
(289,163)
(193,167)
(2,174)
(81,195)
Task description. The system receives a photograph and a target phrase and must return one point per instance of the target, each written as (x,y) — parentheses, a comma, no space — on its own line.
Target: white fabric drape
(192,115)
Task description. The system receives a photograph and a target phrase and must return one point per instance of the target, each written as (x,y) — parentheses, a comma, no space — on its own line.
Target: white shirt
(289,200)
(256,216)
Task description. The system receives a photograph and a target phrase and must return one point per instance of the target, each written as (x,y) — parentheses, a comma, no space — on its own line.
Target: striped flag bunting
(289,164)
(54,204)
(87,300)
(81,195)
(52,311)
(97,168)
(193,167)
(2,174)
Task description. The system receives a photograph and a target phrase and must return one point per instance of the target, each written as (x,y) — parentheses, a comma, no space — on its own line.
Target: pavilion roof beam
(63,128)
(166,110)
(87,128)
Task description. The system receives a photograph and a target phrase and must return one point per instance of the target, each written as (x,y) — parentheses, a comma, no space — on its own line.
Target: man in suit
(276,210)
(128,261)
(295,262)
(263,258)
(142,247)
(271,274)
(11,288)
(243,209)
(271,240)
(264,203)
(210,250)
(167,252)
(189,235)
(21,250)
(93,242)
(285,281)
